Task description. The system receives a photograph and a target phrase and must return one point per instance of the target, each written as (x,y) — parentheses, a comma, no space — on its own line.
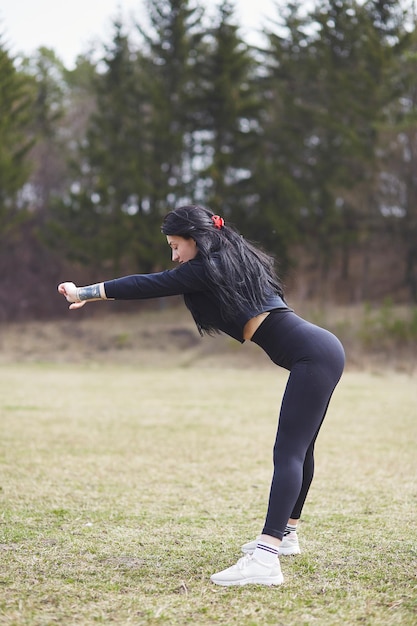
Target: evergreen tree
(351,64)
(29,110)
(110,188)
(48,155)
(280,166)
(397,182)
(173,42)
(15,142)
(229,107)
(131,165)
(333,77)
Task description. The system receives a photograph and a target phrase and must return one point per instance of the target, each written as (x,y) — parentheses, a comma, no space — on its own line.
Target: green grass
(124,488)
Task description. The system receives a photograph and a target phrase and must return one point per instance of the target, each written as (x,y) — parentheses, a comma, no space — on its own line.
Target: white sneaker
(249,570)
(289,545)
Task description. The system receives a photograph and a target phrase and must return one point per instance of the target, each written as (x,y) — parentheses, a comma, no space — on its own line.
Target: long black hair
(237,271)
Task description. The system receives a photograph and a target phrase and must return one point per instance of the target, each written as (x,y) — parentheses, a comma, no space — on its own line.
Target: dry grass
(124,487)
(139,334)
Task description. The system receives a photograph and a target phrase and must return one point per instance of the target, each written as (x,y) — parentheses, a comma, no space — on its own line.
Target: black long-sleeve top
(189,279)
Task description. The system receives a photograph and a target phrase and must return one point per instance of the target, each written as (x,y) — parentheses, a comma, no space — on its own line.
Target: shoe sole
(281,551)
(269,582)
(289,551)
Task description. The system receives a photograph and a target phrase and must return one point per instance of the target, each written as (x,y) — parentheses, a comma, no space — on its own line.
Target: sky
(72,27)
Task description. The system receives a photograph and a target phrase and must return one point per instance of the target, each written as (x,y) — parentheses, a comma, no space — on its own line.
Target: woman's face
(183,250)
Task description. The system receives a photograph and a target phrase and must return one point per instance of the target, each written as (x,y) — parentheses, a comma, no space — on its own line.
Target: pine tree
(173,44)
(109,191)
(15,141)
(330,66)
(281,167)
(229,108)
(131,165)
(397,175)
(29,111)
(48,155)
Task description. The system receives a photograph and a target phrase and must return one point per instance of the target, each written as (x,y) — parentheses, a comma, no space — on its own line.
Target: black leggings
(315,359)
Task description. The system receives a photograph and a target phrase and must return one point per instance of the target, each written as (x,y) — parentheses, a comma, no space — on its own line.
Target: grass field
(123,488)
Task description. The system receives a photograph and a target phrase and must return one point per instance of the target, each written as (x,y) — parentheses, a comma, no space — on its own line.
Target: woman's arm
(187,278)
(78,296)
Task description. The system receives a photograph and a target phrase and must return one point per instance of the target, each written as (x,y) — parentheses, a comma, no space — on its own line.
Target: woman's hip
(289,339)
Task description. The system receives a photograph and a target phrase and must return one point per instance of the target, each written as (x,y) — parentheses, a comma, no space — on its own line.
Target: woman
(229,285)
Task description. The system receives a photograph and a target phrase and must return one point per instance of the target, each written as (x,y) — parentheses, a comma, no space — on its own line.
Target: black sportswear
(189,280)
(314,357)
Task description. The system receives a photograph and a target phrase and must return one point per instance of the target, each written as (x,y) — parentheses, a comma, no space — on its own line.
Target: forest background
(308,144)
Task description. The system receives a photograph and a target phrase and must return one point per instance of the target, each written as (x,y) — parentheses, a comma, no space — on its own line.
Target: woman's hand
(69,291)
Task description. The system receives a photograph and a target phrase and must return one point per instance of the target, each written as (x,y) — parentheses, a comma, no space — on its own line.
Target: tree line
(307,142)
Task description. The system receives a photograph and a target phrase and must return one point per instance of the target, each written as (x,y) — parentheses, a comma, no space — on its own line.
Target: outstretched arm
(186,278)
(78,296)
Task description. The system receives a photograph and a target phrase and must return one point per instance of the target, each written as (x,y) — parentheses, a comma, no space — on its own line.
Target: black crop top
(189,280)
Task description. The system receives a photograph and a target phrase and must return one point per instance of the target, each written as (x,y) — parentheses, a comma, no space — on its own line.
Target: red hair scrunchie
(217,221)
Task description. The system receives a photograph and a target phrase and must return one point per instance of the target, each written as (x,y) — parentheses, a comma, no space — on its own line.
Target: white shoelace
(244,561)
